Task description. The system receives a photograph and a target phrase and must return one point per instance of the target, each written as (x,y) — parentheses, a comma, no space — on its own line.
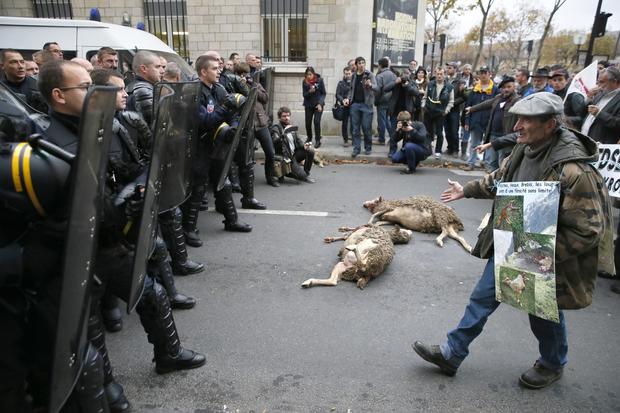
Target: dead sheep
(367,251)
(421,214)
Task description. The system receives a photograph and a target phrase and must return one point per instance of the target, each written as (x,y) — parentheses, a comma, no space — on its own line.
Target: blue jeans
(475,139)
(384,123)
(552,342)
(411,154)
(361,116)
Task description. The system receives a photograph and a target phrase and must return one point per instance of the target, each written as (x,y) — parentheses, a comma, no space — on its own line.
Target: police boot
(159,265)
(89,388)
(191,209)
(113,391)
(172,232)
(111,313)
(156,318)
(246,177)
(233,176)
(224,205)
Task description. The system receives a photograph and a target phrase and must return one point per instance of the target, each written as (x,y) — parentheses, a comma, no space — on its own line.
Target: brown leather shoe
(539,377)
(433,355)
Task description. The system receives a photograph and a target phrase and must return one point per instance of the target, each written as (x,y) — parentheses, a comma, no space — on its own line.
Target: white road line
(467,173)
(280,212)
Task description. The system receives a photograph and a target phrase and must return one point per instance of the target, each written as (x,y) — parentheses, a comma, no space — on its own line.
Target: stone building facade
(336,31)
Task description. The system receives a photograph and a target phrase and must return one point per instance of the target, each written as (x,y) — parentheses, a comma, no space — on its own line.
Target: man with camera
(415,147)
(361,98)
(295,153)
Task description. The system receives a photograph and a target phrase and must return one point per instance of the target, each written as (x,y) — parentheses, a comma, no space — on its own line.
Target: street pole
(593,35)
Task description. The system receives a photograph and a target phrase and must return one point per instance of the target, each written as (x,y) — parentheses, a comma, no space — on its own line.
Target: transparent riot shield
(246,115)
(176,110)
(169,175)
(86,195)
(269,84)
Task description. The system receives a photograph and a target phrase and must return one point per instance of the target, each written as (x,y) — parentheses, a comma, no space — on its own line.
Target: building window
(53,9)
(284,30)
(166,20)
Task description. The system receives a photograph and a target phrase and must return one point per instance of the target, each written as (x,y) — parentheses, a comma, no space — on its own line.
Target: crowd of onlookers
(460,112)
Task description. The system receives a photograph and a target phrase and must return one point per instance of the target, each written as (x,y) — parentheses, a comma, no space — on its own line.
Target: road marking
(281,212)
(467,173)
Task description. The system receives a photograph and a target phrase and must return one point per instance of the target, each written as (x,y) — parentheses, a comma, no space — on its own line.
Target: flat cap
(453,64)
(538,104)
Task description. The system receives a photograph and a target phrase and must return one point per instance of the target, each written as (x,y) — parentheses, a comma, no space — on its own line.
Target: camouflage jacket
(584,242)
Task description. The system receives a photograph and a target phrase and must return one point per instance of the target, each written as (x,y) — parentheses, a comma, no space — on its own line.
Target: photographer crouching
(415,147)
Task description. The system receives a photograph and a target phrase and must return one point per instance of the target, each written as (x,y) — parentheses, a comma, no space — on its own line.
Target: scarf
(488,90)
(313,81)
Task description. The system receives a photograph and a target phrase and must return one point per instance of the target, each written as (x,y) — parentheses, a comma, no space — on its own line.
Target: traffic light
(442,41)
(600,23)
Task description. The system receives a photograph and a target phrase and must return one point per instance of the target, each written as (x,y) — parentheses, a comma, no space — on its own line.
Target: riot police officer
(149,70)
(216,114)
(113,261)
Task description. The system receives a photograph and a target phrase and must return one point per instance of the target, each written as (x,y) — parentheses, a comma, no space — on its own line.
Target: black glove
(134,204)
(234,101)
(229,136)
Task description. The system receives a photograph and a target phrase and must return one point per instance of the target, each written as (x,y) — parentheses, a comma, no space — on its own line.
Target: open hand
(454,192)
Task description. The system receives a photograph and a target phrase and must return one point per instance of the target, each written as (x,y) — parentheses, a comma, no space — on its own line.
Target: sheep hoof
(328,240)
(439,243)
(306,284)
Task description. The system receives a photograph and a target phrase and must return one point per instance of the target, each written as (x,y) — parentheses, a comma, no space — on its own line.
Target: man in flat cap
(545,151)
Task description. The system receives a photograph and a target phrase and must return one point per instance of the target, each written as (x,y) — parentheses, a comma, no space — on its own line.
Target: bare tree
(484,7)
(556,6)
(439,10)
(495,31)
(528,22)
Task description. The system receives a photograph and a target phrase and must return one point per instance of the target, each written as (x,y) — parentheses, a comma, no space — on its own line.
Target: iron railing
(55,9)
(166,20)
(285,31)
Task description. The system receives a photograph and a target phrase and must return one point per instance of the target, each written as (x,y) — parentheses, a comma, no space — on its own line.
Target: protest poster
(525,220)
(609,167)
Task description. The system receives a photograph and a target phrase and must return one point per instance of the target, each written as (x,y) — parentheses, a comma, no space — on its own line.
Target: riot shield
(246,115)
(87,190)
(269,84)
(168,177)
(176,109)
(249,136)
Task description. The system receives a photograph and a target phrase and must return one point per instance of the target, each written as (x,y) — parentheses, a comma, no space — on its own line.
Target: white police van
(83,38)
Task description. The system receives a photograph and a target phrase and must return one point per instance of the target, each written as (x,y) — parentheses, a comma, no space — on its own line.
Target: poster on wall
(395,30)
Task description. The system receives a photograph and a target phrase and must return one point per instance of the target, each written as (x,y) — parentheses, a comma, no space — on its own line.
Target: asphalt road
(272,346)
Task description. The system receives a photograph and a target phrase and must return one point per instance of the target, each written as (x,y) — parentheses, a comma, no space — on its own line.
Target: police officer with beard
(64,86)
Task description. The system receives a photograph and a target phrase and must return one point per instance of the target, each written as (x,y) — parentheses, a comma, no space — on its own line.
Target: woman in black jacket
(314,101)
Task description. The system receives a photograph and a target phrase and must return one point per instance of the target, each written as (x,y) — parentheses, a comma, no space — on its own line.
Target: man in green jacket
(545,151)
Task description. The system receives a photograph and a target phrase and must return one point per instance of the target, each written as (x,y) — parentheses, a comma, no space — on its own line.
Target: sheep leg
(348,261)
(380,223)
(439,239)
(374,217)
(348,229)
(452,233)
(328,240)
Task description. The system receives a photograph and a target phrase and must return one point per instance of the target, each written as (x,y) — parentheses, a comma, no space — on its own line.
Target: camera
(405,123)
(366,76)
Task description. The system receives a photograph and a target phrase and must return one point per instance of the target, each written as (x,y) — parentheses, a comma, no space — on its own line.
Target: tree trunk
(556,7)
(481,40)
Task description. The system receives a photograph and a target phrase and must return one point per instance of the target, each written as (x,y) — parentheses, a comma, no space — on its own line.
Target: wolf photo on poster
(525,221)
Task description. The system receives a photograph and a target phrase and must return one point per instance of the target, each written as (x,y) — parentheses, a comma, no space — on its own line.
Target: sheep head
(372,204)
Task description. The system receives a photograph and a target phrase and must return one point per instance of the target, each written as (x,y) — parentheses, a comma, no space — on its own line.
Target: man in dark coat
(603,121)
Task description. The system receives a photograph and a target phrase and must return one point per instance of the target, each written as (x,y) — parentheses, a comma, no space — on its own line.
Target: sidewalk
(331,149)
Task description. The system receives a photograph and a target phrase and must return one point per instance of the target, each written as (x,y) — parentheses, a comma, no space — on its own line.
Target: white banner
(584,80)
(609,166)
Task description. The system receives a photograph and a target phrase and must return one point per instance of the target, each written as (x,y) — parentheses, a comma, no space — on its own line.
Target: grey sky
(573,15)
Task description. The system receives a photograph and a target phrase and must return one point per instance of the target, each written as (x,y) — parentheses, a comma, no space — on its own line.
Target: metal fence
(166,20)
(284,30)
(55,9)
